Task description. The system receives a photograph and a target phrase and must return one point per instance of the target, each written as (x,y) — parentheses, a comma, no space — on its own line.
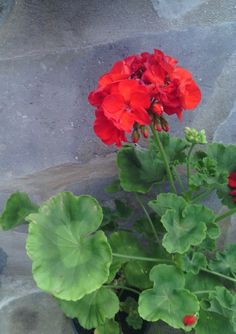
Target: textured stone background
(51,54)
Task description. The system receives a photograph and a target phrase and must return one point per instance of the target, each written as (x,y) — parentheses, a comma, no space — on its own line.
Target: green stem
(122,287)
(141,258)
(202,292)
(202,195)
(148,217)
(226,214)
(218,274)
(178,178)
(164,157)
(188,162)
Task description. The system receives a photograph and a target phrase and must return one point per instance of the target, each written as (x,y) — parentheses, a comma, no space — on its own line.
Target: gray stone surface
(23,309)
(51,55)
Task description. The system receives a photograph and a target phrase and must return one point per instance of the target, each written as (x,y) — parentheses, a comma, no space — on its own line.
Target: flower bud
(164,124)
(157,108)
(189,320)
(194,136)
(157,124)
(135,136)
(144,131)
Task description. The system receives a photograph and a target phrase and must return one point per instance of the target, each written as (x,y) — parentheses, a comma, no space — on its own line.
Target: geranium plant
(164,265)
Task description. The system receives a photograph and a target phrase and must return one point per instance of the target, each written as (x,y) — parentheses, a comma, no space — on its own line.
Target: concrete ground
(51,54)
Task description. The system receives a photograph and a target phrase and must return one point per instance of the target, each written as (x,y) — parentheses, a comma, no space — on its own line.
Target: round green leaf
(186,231)
(17,208)
(192,264)
(137,274)
(224,262)
(168,300)
(109,327)
(69,259)
(213,323)
(93,309)
(139,168)
(167,201)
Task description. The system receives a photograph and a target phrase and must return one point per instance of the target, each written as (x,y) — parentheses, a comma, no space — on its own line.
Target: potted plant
(164,265)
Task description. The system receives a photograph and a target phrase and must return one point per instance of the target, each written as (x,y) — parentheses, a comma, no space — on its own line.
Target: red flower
(232,185)
(107,131)
(139,89)
(127,105)
(189,320)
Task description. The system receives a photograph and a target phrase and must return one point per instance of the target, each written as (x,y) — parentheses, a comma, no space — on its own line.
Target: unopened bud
(189,320)
(157,108)
(157,124)
(144,131)
(135,136)
(194,136)
(164,124)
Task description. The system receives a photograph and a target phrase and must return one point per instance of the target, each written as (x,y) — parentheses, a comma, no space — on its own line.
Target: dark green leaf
(192,264)
(225,262)
(137,274)
(114,187)
(17,208)
(92,310)
(213,323)
(139,169)
(109,327)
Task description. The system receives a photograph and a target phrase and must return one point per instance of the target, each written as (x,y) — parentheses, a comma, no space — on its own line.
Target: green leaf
(167,201)
(223,302)
(137,274)
(225,262)
(70,259)
(192,264)
(93,309)
(174,148)
(130,306)
(139,169)
(109,327)
(168,300)
(17,208)
(188,230)
(201,282)
(125,243)
(122,209)
(114,187)
(213,323)
(142,226)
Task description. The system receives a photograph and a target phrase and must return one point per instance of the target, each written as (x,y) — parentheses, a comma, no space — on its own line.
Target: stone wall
(51,54)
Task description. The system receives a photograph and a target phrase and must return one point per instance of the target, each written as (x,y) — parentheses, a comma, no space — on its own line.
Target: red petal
(106,130)
(113,106)
(232,180)
(140,100)
(190,95)
(141,116)
(126,87)
(233,192)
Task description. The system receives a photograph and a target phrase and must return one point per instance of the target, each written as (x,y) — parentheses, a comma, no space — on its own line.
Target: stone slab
(24,309)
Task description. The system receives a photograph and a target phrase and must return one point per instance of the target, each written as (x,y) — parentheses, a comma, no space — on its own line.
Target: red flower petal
(141,116)
(113,106)
(233,192)
(140,100)
(189,320)
(190,95)
(106,130)
(126,87)
(232,180)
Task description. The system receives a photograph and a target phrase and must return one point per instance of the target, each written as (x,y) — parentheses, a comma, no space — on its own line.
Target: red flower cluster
(232,185)
(139,90)
(189,320)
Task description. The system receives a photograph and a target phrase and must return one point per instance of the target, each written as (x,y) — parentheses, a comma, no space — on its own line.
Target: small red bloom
(106,130)
(232,180)
(189,320)
(128,105)
(232,185)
